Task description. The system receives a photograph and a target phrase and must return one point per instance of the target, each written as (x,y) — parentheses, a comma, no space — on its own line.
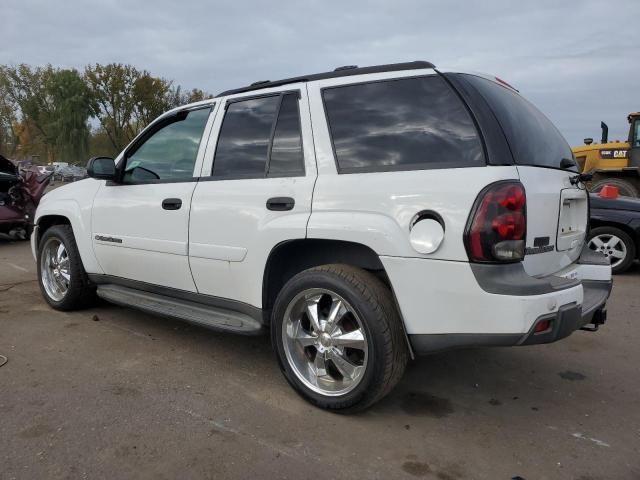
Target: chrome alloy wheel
(325,342)
(55,269)
(611,246)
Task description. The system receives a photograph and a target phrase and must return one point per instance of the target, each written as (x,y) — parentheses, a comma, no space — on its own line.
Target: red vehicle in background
(20,192)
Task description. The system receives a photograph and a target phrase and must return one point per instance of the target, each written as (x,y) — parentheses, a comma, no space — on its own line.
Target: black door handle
(280,204)
(171,204)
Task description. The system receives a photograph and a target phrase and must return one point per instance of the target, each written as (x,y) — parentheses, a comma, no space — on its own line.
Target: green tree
(113,100)
(8,118)
(71,110)
(55,103)
(178,97)
(152,96)
(26,89)
(45,111)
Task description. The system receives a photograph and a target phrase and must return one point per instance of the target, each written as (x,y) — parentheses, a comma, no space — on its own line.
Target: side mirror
(102,168)
(588,141)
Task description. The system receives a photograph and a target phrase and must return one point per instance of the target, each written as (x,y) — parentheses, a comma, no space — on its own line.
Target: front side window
(170,152)
(400,124)
(260,137)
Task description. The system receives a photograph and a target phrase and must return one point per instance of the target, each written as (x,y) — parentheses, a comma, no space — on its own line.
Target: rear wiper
(567,163)
(581,178)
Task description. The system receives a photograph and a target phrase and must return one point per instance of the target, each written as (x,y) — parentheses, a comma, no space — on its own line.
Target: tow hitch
(599,318)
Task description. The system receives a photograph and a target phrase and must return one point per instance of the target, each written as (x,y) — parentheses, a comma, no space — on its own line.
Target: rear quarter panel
(376,209)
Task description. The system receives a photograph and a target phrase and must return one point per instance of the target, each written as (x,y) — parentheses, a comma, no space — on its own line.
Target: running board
(199,314)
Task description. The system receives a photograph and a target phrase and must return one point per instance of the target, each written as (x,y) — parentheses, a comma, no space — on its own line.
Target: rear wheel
(615,244)
(63,281)
(625,187)
(338,337)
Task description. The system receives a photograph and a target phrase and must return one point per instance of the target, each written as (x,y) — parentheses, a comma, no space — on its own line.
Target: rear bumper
(562,323)
(445,309)
(570,318)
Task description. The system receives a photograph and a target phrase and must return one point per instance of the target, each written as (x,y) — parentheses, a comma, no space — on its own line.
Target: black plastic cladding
(391,67)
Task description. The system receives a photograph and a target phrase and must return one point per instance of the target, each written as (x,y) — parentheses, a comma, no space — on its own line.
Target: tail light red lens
(496,229)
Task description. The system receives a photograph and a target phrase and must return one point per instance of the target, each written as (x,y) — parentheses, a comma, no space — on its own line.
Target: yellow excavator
(613,163)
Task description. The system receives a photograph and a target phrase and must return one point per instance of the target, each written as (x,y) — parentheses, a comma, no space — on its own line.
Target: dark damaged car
(20,193)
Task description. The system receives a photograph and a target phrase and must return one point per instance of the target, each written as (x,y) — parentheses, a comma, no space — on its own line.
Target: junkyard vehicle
(613,163)
(362,215)
(615,230)
(20,193)
(70,173)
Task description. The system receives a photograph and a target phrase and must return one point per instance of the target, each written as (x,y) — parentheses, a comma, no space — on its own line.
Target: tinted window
(286,151)
(635,140)
(243,143)
(403,124)
(170,153)
(533,139)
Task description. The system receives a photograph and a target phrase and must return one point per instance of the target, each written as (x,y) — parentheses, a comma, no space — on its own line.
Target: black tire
(386,342)
(625,187)
(80,293)
(625,238)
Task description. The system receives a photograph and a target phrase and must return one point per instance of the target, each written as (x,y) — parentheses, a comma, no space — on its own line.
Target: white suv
(362,215)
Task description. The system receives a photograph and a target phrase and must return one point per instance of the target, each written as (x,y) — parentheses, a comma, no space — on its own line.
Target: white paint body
(219,241)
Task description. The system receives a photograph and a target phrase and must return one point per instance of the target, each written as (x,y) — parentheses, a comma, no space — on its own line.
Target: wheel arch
(68,212)
(47,221)
(293,256)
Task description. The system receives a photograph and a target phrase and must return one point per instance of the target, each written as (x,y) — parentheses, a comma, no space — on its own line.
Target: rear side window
(260,136)
(401,124)
(533,139)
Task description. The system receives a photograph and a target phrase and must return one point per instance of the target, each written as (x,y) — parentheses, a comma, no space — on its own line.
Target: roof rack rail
(345,67)
(345,71)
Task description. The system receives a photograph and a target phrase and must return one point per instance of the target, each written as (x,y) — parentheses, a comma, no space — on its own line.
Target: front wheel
(338,337)
(63,281)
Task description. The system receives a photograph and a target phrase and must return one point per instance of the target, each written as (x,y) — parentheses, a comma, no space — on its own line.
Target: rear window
(400,124)
(533,139)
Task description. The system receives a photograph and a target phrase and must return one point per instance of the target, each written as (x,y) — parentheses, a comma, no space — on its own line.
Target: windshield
(533,139)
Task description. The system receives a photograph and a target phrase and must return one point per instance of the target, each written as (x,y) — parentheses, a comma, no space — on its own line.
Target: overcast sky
(578,61)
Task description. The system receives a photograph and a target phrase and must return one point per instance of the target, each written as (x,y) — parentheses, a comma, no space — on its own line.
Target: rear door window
(532,137)
(401,124)
(260,137)
(286,157)
(243,143)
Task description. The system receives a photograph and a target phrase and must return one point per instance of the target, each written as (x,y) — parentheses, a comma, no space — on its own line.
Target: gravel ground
(113,393)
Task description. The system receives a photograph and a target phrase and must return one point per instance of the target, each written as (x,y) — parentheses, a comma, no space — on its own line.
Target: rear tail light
(497,227)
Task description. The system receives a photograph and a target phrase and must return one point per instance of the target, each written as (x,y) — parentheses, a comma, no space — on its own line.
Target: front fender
(73,202)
